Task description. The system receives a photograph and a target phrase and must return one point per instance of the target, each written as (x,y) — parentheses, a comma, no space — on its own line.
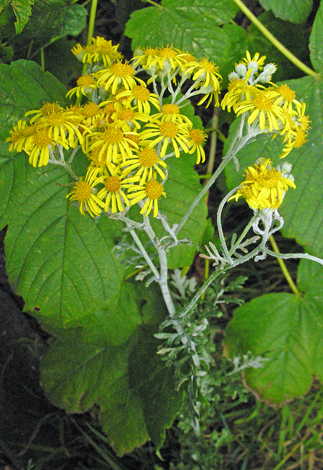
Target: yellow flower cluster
(124,130)
(274,108)
(264,186)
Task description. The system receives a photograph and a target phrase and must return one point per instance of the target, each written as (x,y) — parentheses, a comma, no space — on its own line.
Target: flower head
(100,52)
(168,133)
(143,165)
(84,194)
(118,75)
(152,191)
(114,182)
(264,186)
(140,97)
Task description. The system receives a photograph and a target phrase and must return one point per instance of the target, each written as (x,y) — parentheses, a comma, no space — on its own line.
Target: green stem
(94,6)
(154,4)
(145,254)
(42,59)
(283,267)
(274,41)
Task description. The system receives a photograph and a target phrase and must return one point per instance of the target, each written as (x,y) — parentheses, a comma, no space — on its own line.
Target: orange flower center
(113,135)
(90,109)
(263,102)
(169,108)
(141,93)
(112,184)
(197,136)
(207,66)
(49,108)
(168,129)
(286,92)
(85,80)
(167,52)
(154,189)
(41,138)
(82,191)
(148,157)
(122,70)
(125,114)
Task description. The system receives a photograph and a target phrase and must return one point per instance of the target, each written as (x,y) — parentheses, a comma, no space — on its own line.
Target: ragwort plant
(128,130)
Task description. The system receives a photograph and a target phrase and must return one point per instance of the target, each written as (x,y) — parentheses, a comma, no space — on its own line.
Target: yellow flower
(40,145)
(264,186)
(84,194)
(146,161)
(116,76)
(151,191)
(141,98)
(116,145)
(100,51)
(259,61)
(205,74)
(197,138)
(262,107)
(171,112)
(159,58)
(61,123)
(169,133)
(298,135)
(21,137)
(112,192)
(85,86)
(238,91)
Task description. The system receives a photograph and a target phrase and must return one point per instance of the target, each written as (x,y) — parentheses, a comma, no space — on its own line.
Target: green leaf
(302,208)
(316,39)
(22,11)
(24,86)
(57,259)
(187,25)
(51,20)
(285,329)
(134,389)
(295,11)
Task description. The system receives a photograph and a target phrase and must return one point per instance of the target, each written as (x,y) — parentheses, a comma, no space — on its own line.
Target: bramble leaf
(295,11)
(22,11)
(316,39)
(287,330)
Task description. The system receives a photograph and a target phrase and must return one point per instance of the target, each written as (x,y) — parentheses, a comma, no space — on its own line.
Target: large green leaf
(296,11)
(22,11)
(133,387)
(316,39)
(50,20)
(287,330)
(187,25)
(302,208)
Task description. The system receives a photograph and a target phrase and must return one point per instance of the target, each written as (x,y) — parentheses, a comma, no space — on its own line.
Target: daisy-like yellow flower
(256,59)
(160,58)
(100,52)
(116,145)
(85,86)
(129,119)
(84,194)
(238,91)
(169,133)
(264,186)
(61,123)
(145,162)
(297,136)
(40,145)
(114,183)
(116,76)
(286,98)
(205,74)
(197,138)
(21,137)
(140,97)
(171,112)
(152,191)
(262,106)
